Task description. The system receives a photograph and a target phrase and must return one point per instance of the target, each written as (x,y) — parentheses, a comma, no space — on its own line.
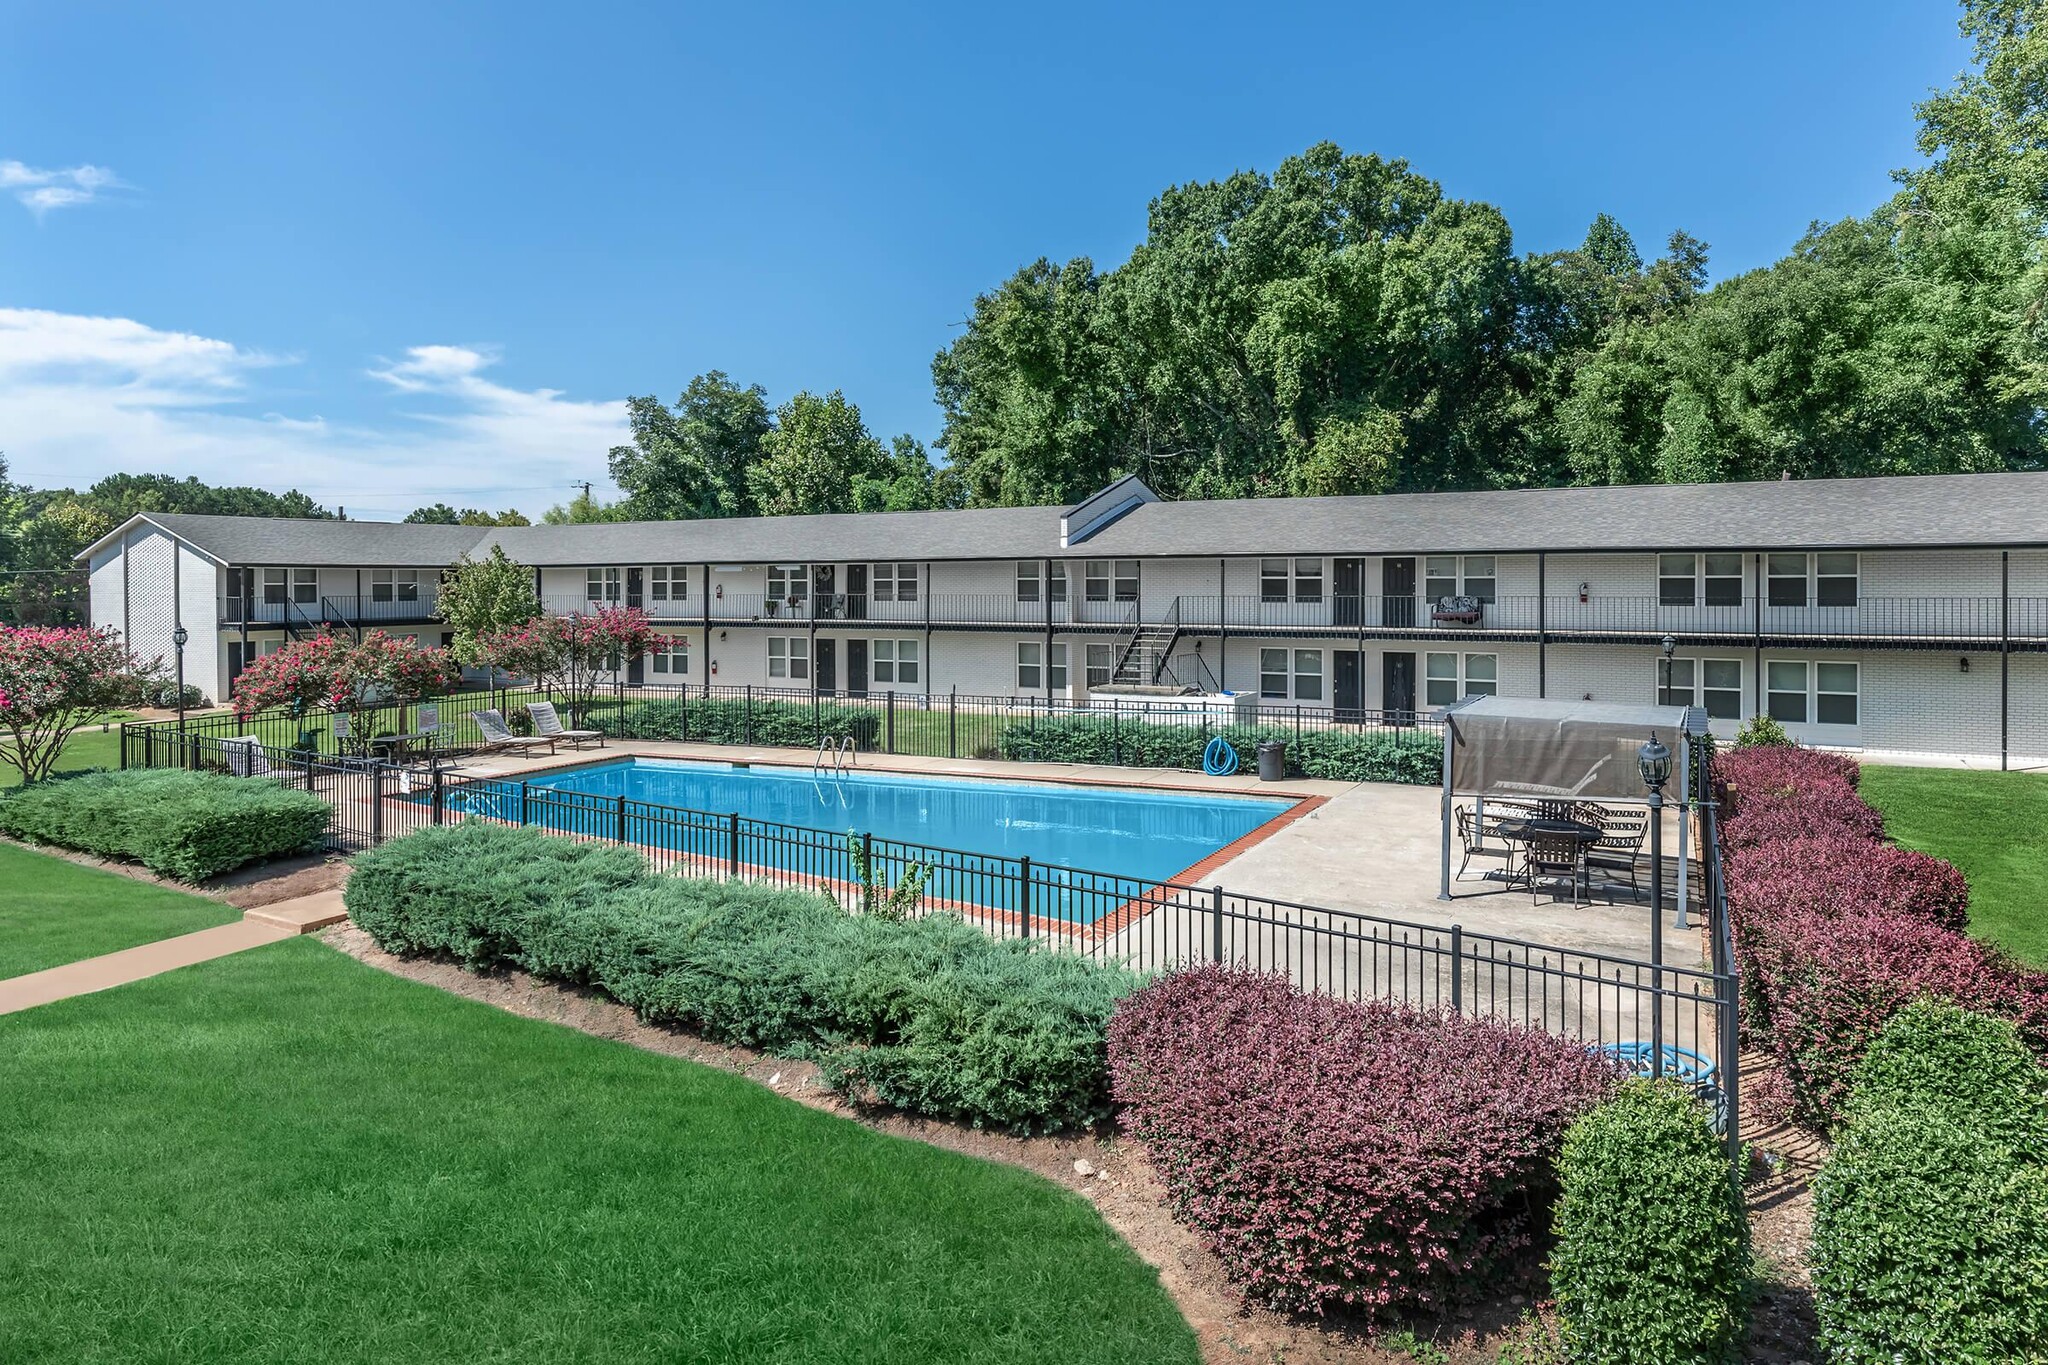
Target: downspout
(1045,567)
(2004,660)
(1542,625)
(704,654)
(1223,625)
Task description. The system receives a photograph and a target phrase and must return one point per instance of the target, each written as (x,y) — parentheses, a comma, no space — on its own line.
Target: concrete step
(301,916)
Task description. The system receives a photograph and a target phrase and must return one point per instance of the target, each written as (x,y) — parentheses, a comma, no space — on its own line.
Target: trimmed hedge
(1652,1261)
(929,1015)
(1836,930)
(722,721)
(1338,755)
(188,825)
(1334,1154)
(1930,1232)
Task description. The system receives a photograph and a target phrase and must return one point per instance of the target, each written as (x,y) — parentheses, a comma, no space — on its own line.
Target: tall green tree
(441,514)
(692,460)
(484,597)
(819,453)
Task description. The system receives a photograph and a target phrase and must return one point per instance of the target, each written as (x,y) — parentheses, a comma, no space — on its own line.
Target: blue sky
(398,253)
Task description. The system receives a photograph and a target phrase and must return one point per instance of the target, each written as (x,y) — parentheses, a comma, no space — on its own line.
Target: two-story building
(1901,615)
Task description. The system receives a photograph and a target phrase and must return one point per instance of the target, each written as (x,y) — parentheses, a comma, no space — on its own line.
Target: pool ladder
(841,756)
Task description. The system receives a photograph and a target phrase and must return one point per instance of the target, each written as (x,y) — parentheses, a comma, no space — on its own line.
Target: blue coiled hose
(1219,759)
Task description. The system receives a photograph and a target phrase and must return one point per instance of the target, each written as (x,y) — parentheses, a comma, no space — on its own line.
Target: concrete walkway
(286,919)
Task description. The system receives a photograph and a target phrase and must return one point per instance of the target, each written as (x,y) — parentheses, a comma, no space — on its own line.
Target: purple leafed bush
(1837,875)
(1370,1156)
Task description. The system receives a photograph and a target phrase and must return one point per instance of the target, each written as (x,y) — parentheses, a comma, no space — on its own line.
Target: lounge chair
(245,756)
(498,735)
(547,723)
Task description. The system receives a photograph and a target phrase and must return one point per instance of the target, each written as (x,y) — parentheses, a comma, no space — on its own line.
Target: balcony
(346,612)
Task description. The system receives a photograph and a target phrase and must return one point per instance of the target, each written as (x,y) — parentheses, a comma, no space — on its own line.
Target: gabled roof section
(976,533)
(1099,510)
(287,540)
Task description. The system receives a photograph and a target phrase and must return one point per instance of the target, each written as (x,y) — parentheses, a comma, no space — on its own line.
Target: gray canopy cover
(1514,746)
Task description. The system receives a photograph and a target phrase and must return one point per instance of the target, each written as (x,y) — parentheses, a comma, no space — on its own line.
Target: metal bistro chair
(1552,856)
(1472,834)
(1620,847)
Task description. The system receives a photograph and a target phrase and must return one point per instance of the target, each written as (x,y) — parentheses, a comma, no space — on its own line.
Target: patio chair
(498,736)
(246,756)
(547,723)
(1620,847)
(1470,835)
(1552,856)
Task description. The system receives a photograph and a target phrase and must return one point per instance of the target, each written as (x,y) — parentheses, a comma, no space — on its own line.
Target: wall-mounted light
(719,592)
(1964,662)
(721,635)
(1585,592)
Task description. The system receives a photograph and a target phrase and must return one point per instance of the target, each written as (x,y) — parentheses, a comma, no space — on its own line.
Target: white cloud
(82,397)
(40,190)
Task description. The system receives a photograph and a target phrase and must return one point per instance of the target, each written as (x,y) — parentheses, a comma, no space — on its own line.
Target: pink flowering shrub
(330,672)
(1370,1156)
(570,654)
(1837,930)
(54,679)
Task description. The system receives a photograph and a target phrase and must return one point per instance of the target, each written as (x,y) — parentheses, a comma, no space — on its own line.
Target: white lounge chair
(498,735)
(246,756)
(546,722)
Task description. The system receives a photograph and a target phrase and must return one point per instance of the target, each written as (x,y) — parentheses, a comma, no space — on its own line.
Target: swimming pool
(1138,836)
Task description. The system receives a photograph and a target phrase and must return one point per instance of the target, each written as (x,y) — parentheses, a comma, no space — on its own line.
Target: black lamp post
(178,638)
(1668,646)
(1653,760)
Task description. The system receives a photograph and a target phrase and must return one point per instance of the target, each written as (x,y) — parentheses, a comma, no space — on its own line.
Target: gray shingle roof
(1927,512)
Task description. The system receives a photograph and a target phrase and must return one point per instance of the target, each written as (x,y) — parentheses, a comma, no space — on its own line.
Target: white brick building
(1900,615)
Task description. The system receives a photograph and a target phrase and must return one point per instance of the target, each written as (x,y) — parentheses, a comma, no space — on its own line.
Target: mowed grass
(53,912)
(287,1155)
(86,749)
(1994,826)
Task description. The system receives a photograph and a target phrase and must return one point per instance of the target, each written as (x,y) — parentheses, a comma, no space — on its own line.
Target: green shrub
(188,825)
(726,721)
(1930,1234)
(927,1015)
(1762,732)
(1652,1261)
(1410,756)
(472,890)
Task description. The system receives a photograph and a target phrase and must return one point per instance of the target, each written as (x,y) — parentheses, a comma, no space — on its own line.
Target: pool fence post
(1216,923)
(522,802)
(439,807)
(750,713)
(889,743)
(1024,896)
(732,845)
(953,722)
(124,746)
(1457,969)
(619,820)
(376,803)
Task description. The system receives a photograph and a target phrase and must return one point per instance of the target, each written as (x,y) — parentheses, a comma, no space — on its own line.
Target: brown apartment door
(1397,592)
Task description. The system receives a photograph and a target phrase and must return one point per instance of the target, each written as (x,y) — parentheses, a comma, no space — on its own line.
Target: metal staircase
(1145,651)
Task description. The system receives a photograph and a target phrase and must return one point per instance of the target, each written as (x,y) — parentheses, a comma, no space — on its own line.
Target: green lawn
(55,912)
(1994,826)
(287,1155)
(87,748)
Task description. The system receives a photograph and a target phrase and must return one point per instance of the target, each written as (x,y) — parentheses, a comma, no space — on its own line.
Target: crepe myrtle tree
(53,681)
(570,654)
(344,676)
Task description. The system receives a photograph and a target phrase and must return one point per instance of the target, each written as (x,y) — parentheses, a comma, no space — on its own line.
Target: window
(1103,577)
(893,582)
(1443,683)
(274,587)
(1027,580)
(1308,675)
(1785,690)
(1721,688)
(1834,692)
(789,656)
(1058,672)
(668,583)
(1785,581)
(394,585)
(789,582)
(305,586)
(1834,582)
(1030,666)
(1675,682)
(1308,580)
(670,655)
(1451,576)
(1272,580)
(1721,580)
(893,661)
(1273,674)
(1101,664)
(601,585)
(1675,580)
(1303,576)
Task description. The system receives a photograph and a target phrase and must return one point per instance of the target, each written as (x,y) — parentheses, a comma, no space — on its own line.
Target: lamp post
(1653,761)
(1668,646)
(179,636)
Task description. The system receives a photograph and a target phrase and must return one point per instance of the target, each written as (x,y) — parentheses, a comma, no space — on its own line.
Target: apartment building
(1899,615)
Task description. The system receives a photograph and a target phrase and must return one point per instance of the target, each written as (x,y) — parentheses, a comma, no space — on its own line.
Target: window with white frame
(1291,674)
(1105,580)
(1460,576)
(305,586)
(1833,580)
(1677,580)
(1715,684)
(1273,674)
(1721,580)
(892,582)
(1273,580)
(668,583)
(669,656)
(276,587)
(789,583)
(394,585)
(789,656)
(1101,662)
(1032,671)
(601,585)
(1308,675)
(1785,690)
(1447,677)
(1835,687)
(1056,670)
(1029,583)
(893,661)
(1282,580)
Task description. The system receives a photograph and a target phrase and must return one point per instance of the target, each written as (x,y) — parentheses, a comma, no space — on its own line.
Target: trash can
(1272,760)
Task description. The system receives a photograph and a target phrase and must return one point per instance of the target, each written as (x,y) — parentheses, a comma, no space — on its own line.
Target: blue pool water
(1141,835)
